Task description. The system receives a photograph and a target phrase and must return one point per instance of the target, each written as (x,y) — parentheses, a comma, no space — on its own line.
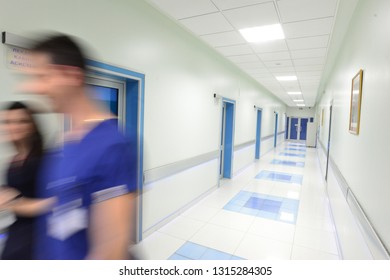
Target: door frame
(259,117)
(226,147)
(329,135)
(133,111)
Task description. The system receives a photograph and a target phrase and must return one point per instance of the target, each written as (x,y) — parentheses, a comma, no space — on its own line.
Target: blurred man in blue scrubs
(90,174)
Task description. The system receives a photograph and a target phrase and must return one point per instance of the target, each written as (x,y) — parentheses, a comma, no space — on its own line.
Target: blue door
(302,135)
(294,129)
(276,129)
(258,134)
(227,134)
(287,120)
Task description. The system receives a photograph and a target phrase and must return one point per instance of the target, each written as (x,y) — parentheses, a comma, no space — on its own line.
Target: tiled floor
(276,209)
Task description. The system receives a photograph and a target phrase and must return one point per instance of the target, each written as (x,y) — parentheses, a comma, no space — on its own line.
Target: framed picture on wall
(356,100)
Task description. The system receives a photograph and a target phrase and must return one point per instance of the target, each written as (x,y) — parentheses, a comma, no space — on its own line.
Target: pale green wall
(363,159)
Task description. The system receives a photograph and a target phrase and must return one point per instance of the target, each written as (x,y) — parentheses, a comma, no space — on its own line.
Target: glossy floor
(276,208)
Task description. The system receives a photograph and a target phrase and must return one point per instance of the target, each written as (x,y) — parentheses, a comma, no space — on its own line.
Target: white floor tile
(182,227)
(316,239)
(232,220)
(201,212)
(255,247)
(302,253)
(158,246)
(219,238)
(272,229)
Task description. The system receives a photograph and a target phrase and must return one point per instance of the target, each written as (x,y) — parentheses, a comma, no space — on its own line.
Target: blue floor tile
(191,250)
(292,155)
(288,163)
(236,258)
(178,257)
(266,206)
(232,207)
(280,177)
(212,254)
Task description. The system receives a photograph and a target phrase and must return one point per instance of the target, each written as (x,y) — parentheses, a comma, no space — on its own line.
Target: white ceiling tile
(308,43)
(296,10)
(309,74)
(251,65)
(309,68)
(308,28)
(230,4)
(257,15)
(256,71)
(185,8)
(308,53)
(283,70)
(224,39)
(263,76)
(235,50)
(207,24)
(244,58)
(278,63)
(309,61)
(274,46)
(274,56)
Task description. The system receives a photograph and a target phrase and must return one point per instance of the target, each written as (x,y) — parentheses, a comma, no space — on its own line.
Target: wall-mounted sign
(18,58)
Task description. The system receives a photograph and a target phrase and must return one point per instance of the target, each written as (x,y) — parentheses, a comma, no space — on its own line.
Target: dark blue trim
(287,120)
(228,145)
(135,92)
(116,69)
(293,131)
(276,129)
(258,134)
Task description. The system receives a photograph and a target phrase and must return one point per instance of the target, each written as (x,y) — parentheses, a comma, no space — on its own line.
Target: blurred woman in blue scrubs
(23,133)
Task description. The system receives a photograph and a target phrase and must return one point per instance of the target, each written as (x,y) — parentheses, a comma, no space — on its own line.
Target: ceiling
(307,25)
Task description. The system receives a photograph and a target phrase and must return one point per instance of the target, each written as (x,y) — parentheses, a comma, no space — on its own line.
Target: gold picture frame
(356,102)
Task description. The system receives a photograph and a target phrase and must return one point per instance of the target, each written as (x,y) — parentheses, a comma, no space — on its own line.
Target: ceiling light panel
(286,78)
(263,33)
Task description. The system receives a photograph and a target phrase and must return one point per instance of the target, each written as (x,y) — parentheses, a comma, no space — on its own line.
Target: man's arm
(112,223)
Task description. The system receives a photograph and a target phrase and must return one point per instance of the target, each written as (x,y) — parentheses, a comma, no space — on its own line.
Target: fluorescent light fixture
(263,33)
(286,78)
(301,105)
(299,100)
(294,92)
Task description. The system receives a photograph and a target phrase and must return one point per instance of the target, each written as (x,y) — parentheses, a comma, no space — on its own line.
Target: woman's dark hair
(35,141)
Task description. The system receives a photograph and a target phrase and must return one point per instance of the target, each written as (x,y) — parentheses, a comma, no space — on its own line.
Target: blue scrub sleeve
(115,173)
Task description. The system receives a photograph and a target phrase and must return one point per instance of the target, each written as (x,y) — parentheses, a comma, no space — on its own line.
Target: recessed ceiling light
(301,105)
(294,92)
(286,78)
(299,100)
(263,33)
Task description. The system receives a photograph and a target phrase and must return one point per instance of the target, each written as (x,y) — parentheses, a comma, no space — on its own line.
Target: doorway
(328,150)
(297,128)
(258,134)
(227,135)
(122,92)
(276,129)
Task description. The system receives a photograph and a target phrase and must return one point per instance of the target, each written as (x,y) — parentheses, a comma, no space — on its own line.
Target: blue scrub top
(97,168)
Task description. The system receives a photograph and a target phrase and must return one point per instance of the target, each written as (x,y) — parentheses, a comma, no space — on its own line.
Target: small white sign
(18,58)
